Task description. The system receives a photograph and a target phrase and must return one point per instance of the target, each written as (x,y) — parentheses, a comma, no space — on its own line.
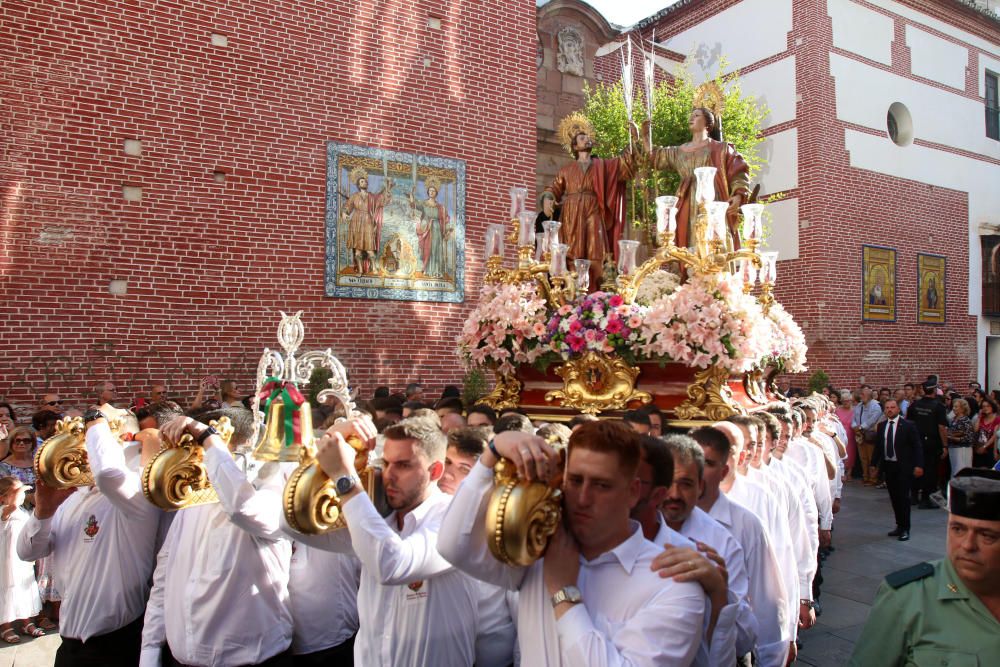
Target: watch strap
(204,435)
(92,414)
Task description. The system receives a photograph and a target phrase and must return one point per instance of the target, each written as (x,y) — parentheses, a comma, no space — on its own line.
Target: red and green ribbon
(276,388)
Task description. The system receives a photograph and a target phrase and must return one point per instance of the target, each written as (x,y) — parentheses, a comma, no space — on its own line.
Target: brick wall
(209,264)
(841,208)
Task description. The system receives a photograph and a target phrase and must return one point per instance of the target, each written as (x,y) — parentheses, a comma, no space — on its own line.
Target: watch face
(344,484)
(573,594)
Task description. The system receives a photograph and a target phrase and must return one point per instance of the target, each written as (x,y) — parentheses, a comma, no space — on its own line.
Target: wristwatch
(346,483)
(204,435)
(808,603)
(567,594)
(92,415)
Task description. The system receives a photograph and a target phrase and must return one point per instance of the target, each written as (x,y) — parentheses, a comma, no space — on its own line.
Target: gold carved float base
(596,382)
(709,397)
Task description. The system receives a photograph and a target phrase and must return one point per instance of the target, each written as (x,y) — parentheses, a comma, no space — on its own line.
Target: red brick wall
(843,208)
(210,264)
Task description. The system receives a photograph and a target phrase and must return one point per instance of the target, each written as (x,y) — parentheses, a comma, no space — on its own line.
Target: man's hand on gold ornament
(534,458)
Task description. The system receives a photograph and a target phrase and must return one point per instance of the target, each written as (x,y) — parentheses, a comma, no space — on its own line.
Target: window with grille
(992,107)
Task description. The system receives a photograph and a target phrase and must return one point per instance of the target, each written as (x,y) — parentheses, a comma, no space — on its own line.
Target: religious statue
(931,295)
(591,195)
(432,229)
(569,60)
(706,149)
(363,211)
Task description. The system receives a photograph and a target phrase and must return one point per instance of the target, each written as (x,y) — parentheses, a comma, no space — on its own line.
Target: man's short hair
(428,436)
(637,417)
(513,421)
(43,419)
(470,440)
(609,436)
(709,436)
(413,388)
(451,391)
(415,405)
(556,435)
(240,418)
(426,413)
(581,419)
(659,458)
(909,384)
(161,411)
(771,423)
(686,450)
(743,420)
(381,392)
(650,409)
(450,404)
(483,409)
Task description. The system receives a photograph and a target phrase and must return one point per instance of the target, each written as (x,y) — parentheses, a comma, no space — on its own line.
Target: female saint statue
(432,229)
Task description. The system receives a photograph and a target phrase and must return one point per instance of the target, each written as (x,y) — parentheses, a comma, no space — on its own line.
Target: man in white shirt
(768,593)
(323,594)
(414,607)
(220,590)
(593,599)
(102,540)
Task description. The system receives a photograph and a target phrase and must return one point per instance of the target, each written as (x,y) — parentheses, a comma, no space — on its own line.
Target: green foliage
(672,105)
(319,380)
(818,380)
(473,387)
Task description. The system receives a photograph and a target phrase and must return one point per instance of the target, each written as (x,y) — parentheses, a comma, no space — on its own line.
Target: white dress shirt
(720,651)
(804,523)
(323,590)
(415,608)
(810,459)
(699,526)
(102,540)
(753,516)
(629,614)
(496,635)
(220,590)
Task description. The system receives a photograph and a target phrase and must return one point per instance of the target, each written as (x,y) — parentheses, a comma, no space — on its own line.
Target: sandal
(32,630)
(10,636)
(45,623)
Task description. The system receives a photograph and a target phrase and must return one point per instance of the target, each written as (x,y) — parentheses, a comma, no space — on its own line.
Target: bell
(273,446)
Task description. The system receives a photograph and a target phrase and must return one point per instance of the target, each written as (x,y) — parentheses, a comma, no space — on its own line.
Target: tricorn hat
(975,493)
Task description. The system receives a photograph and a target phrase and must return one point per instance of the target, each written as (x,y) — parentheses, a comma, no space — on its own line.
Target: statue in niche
(570,57)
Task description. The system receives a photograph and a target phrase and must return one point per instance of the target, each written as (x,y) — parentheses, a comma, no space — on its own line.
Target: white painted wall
(937,59)
(864,94)
(744,34)
(773,85)
(784,229)
(781,151)
(914,16)
(860,30)
(986,63)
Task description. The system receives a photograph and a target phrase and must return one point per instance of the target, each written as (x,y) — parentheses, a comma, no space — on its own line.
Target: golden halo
(432,182)
(572,125)
(357,174)
(711,96)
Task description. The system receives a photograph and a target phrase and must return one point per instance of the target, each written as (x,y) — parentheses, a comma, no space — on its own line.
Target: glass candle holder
(551,228)
(582,268)
(769,268)
(717,220)
(705,184)
(557,264)
(494,240)
(626,256)
(753,227)
(664,205)
(541,246)
(526,230)
(518,195)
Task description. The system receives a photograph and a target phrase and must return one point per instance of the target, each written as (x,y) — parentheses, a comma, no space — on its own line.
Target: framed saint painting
(395,225)
(931,289)
(878,271)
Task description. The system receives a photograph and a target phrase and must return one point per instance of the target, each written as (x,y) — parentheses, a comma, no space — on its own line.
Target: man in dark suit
(899,452)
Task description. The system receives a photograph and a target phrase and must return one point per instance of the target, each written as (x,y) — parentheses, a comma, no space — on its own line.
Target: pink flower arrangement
(786,342)
(599,322)
(505,328)
(707,321)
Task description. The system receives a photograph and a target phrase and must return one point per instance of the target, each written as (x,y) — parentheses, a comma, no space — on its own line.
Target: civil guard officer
(946,612)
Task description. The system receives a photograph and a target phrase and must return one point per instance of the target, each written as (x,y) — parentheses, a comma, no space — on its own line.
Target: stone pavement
(852,573)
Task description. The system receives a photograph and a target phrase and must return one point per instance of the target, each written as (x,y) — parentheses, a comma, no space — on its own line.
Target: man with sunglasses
(51,403)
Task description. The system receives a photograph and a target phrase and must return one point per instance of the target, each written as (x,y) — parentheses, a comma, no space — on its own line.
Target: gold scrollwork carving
(506,393)
(708,397)
(753,384)
(596,382)
(176,478)
(521,516)
(61,461)
(310,499)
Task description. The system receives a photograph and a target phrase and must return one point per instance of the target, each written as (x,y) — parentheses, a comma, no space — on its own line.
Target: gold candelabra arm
(495,273)
(766,299)
(515,230)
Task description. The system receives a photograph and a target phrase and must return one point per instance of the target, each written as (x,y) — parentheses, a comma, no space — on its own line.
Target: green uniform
(923,616)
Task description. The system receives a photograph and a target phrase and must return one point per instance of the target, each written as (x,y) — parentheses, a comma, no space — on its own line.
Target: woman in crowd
(986,441)
(961,436)
(7,425)
(19,599)
(845,412)
(19,462)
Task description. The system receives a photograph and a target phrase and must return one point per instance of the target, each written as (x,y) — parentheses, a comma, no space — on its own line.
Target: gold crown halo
(711,96)
(432,182)
(357,174)
(572,125)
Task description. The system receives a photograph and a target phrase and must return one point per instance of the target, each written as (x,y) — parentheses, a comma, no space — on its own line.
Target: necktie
(890,445)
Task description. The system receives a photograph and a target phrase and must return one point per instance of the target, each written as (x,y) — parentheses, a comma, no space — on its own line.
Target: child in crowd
(19,598)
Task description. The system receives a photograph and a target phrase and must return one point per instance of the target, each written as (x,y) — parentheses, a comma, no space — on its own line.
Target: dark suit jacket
(907,443)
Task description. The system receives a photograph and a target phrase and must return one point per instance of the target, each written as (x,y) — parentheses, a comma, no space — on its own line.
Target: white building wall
(860,30)
(937,59)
